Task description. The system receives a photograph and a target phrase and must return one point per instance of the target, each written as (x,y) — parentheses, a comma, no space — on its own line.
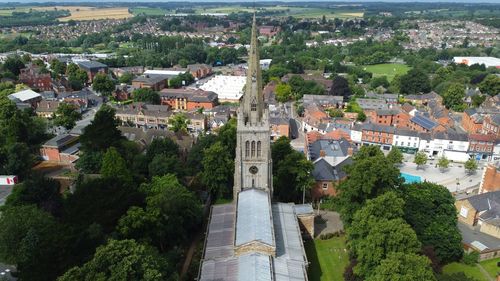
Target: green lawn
(471,271)
(491,267)
(328,259)
(387,69)
(149,11)
(298,12)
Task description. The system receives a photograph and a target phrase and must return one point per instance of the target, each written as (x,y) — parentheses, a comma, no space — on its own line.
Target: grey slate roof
(323,171)
(253,218)
(61,140)
(91,65)
(482,202)
(151,79)
(332,148)
(470,236)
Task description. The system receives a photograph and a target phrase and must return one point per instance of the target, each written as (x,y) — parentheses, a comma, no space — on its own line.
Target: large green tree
(179,123)
(403,266)
(218,168)
(395,156)
(420,159)
(471,166)
(66,115)
(293,177)
(146,95)
(414,82)
(171,215)
(369,176)
(103,84)
(430,210)
(30,239)
(490,85)
(114,166)
(123,260)
(102,132)
(453,97)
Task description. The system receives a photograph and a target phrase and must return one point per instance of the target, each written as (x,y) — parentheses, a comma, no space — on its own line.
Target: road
(5,190)
(5,272)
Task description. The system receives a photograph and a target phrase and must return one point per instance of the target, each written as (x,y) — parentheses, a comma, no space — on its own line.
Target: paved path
(327,222)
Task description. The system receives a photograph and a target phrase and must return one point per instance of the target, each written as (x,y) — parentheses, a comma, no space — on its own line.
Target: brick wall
(306,223)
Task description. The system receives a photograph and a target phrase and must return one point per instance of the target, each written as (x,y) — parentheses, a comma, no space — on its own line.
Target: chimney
(322,153)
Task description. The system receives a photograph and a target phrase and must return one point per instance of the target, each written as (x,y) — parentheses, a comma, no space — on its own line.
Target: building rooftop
(424,122)
(254,218)
(91,65)
(61,140)
(150,79)
(194,95)
(24,95)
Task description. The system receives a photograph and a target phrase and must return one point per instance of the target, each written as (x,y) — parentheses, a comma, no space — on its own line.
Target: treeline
(32,18)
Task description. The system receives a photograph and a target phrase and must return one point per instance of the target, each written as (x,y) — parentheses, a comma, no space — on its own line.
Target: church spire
(253,100)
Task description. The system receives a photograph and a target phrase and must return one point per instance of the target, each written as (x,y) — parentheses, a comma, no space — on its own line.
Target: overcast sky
(204,1)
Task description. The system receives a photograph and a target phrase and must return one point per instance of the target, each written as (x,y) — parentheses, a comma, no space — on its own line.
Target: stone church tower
(253,163)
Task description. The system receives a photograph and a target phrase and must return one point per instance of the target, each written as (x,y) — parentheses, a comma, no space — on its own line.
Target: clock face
(253,170)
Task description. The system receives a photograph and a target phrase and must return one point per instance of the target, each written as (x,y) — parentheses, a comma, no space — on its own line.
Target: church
(255,238)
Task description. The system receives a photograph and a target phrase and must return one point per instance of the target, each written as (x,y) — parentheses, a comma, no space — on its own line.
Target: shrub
(470,258)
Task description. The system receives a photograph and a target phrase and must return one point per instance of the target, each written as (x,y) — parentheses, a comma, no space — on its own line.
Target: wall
(490,229)
(306,223)
(471,212)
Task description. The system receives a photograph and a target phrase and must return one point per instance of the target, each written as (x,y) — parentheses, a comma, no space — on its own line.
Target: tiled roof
(424,122)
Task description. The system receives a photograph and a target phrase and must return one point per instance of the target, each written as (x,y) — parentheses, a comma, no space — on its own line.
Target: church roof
(253,218)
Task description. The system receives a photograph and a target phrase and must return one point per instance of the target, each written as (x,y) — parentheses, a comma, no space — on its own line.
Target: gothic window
(253,105)
(247,149)
(258,149)
(253,148)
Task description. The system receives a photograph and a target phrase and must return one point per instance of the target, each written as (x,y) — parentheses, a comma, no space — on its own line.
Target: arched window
(253,105)
(253,148)
(258,149)
(247,148)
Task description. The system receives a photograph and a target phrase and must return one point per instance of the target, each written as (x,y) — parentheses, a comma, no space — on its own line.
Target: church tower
(253,163)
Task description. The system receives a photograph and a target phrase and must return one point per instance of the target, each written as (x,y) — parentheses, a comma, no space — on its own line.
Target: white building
(173,72)
(453,146)
(487,61)
(227,88)
(356,134)
(406,140)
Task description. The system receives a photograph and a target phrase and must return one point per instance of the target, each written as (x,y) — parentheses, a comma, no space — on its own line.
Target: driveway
(327,222)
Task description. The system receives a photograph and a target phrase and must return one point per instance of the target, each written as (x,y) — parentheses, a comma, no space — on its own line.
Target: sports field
(387,69)
(327,258)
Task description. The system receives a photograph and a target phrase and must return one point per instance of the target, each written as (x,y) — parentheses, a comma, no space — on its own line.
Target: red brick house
(491,125)
(62,149)
(472,121)
(378,134)
(481,146)
(92,68)
(35,79)
(187,99)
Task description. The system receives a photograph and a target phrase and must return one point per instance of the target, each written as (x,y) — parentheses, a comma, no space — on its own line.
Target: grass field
(387,69)
(491,266)
(328,259)
(471,271)
(149,11)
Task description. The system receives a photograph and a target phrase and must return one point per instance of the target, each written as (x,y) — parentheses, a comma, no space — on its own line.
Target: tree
(369,176)
(490,85)
(126,78)
(123,260)
(414,82)
(279,150)
(102,132)
(18,159)
(383,238)
(103,84)
(453,97)
(57,67)
(283,92)
(340,87)
(14,64)
(336,113)
(430,210)
(403,266)
(179,123)
(90,162)
(113,166)
(379,81)
(361,117)
(460,276)
(76,77)
(443,163)
(30,239)
(172,214)
(395,156)
(163,164)
(162,146)
(477,100)
(146,95)
(38,190)
(217,169)
(420,159)
(194,159)
(471,165)
(181,80)
(66,115)
(293,177)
